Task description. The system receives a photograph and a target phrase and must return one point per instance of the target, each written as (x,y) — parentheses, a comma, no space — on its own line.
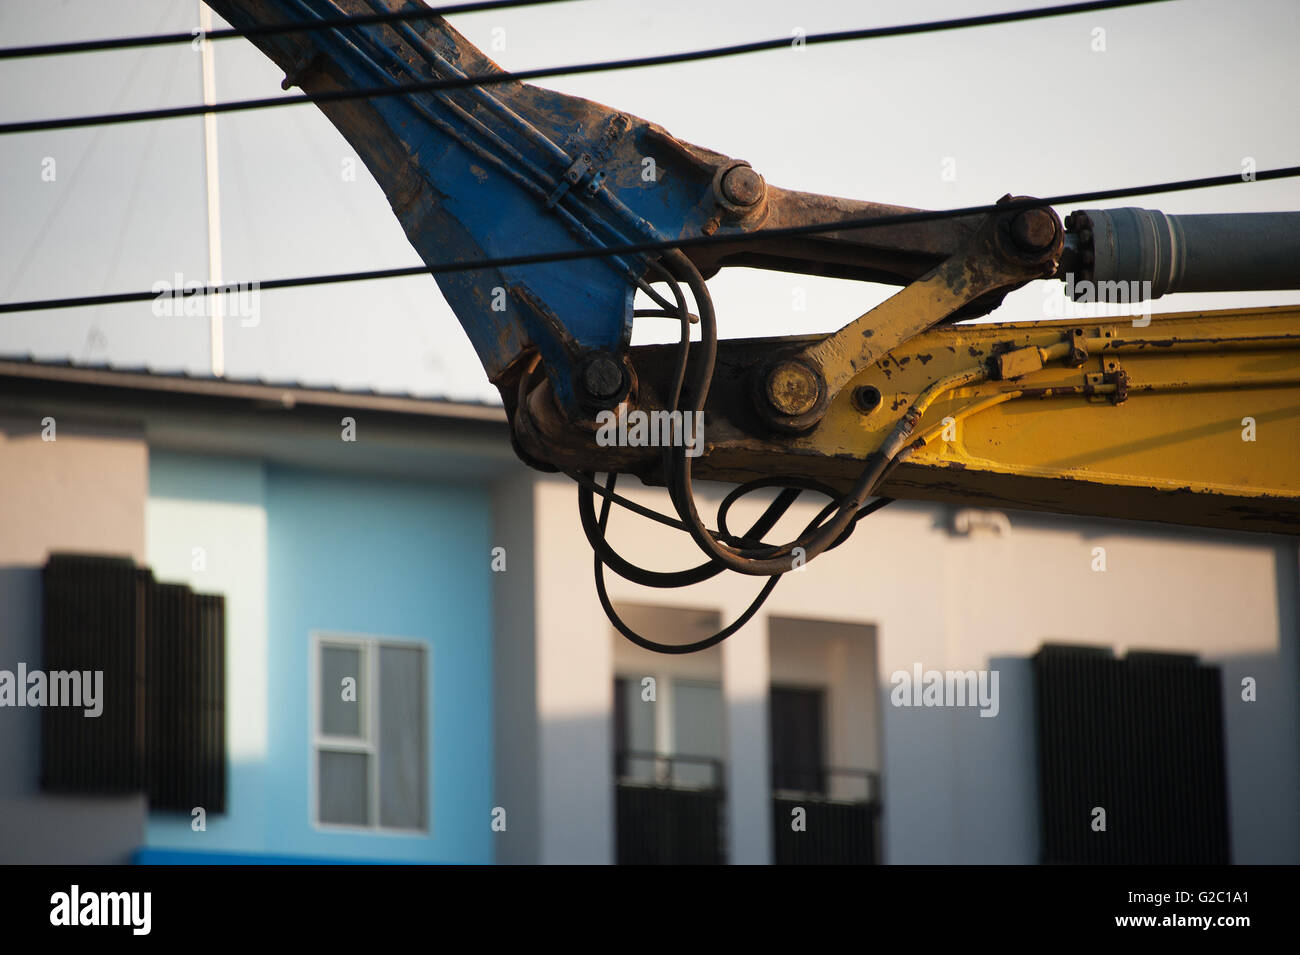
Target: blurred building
(388,647)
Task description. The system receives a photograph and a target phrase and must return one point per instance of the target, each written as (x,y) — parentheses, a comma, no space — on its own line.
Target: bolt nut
(603,377)
(1033,230)
(792,388)
(867,398)
(742,186)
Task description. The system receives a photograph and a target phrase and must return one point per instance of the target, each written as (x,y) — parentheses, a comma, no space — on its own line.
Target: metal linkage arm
(1007,251)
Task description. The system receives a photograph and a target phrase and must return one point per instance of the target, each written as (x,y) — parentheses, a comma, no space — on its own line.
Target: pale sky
(1183,89)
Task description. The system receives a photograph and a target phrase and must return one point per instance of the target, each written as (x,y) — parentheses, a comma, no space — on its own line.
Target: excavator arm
(1185,418)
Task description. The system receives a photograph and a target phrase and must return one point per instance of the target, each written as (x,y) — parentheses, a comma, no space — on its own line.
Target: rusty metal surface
(1172,451)
(511,169)
(992,261)
(1006,251)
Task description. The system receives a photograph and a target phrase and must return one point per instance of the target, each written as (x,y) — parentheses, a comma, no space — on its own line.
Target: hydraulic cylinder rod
(1154,253)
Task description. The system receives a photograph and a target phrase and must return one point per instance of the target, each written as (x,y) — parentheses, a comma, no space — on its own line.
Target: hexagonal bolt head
(792,388)
(742,186)
(1033,230)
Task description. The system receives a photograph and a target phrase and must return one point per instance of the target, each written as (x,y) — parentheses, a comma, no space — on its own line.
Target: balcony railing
(669,809)
(840,818)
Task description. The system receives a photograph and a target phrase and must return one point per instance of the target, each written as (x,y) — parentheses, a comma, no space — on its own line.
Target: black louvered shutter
(94,609)
(1142,738)
(162,650)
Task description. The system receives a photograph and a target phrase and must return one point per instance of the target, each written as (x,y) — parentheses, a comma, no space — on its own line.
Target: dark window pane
(796,717)
(620,725)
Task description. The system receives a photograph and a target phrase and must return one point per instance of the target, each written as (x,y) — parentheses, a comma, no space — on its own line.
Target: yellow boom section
(1193,418)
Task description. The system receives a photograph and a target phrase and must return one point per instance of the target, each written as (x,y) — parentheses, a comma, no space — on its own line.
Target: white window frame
(368,646)
(664,727)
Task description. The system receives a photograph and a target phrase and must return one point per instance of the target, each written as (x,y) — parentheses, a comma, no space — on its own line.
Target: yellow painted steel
(1192,418)
(1189,418)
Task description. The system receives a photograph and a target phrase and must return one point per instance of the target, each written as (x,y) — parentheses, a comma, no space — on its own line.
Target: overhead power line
(492,79)
(270,29)
(565,255)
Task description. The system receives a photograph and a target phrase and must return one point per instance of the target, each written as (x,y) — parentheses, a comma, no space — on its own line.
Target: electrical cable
(666,580)
(815,539)
(662,245)
(576,69)
(603,554)
(647,644)
(269,29)
(750,545)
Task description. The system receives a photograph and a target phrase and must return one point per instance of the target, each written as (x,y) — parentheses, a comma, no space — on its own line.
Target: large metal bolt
(603,377)
(791,388)
(742,186)
(1033,230)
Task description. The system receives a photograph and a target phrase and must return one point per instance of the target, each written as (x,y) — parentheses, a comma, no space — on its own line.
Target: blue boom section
(500,170)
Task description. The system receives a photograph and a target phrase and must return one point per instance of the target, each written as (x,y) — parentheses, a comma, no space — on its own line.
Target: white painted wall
(574,691)
(956,787)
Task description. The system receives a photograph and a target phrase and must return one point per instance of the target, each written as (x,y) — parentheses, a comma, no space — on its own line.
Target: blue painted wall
(381,558)
(217,506)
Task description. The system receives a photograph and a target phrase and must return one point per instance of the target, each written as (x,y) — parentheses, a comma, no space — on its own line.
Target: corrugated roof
(287,393)
(28,358)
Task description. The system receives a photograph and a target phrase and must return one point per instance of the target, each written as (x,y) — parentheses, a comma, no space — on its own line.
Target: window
(669,773)
(371,755)
(797,727)
(685,746)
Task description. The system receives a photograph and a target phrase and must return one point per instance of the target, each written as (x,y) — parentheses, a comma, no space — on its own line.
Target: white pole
(217,302)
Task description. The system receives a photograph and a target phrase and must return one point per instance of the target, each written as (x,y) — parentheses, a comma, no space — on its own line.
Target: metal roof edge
(287,396)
